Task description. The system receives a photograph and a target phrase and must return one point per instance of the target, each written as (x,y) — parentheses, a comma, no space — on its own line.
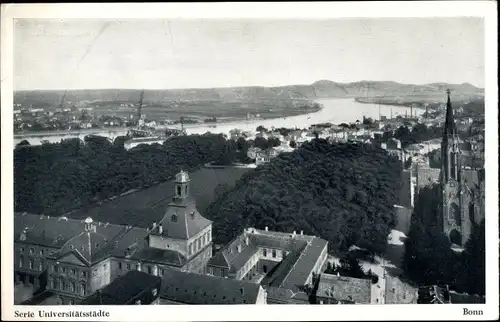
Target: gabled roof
(182,220)
(68,236)
(190,288)
(342,288)
(218,260)
(124,289)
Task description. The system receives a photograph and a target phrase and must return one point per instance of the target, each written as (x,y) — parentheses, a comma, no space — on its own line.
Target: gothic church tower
(452,217)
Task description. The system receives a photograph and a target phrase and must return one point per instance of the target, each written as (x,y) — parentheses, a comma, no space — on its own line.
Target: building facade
(70,259)
(462,189)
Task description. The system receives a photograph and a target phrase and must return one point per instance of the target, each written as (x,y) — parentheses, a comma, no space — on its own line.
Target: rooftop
(342,288)
(124,289)
(190,288)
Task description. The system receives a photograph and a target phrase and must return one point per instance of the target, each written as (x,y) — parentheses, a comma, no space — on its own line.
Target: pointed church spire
(449,125)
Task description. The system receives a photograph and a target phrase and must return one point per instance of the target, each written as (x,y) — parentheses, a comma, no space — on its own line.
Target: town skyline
(181,54)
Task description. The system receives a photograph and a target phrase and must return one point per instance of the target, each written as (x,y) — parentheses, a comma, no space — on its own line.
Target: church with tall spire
(462,188)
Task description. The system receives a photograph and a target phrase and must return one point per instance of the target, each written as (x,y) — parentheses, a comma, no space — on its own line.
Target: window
(21,261)
(265,252)
(73,272)
(61,284)
(174,218)
(274,253)
(41,252)
(32,251)
(162,271)
(83,275)
(211,270)
(105,267)
(137,267)
(71,302)
(150,270)
(190,249)
(199,243)
(120,266)
(94,273)
(41,266)
(186,189)
(264,268)
(72,287)
(178,190)
(83,289)
(51,283)
(32,264)
(138,302)
(62,270)
(128,266)
(21,249)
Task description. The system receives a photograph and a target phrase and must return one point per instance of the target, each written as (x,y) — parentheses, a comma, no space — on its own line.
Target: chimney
(160,229)
(294,234)
(154,224)
(301,233)
(267,229)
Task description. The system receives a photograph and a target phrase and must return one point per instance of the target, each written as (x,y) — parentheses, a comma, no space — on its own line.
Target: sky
(176,53)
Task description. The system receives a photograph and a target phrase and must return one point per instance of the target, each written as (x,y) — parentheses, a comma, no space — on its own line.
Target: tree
(260,128)
(23,143)
(273,142)
(342,192)
(261,143)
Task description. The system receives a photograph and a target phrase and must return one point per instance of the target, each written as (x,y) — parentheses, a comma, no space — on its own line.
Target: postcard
(184,162)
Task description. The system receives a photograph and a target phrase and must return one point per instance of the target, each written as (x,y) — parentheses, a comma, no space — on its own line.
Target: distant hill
(317,90)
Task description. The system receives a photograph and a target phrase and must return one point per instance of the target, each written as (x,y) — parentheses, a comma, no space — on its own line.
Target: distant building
(134,142)
(132,288)
(189,288)
(334,289)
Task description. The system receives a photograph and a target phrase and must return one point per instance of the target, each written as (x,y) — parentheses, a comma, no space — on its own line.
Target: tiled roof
(69,236)
(426,176)
(124,289)
(277,295)
(182,220)
(160,256)
(190,288)
(343,288)
(305,264)
(218,260)
(278,275)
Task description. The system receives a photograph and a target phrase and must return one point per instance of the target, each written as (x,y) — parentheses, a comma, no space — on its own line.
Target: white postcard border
(323,10)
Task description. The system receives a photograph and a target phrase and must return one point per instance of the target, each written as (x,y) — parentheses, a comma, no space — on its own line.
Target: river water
(335,111)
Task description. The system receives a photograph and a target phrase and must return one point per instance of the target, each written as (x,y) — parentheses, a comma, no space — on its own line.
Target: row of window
(31,251)
(274,253)
(69,271)
(199,243)
(31,264)
(68,286)
(147,269)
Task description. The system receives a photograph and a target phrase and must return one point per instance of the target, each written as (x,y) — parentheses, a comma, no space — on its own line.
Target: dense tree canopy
(342,192)
(57,178)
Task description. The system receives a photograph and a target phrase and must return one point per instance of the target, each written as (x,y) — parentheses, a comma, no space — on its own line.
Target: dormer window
(174,218)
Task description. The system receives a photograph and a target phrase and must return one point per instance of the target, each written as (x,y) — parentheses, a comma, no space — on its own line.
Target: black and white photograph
(245,160)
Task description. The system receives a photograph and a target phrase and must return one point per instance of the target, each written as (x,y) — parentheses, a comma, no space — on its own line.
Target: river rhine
(335,111)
